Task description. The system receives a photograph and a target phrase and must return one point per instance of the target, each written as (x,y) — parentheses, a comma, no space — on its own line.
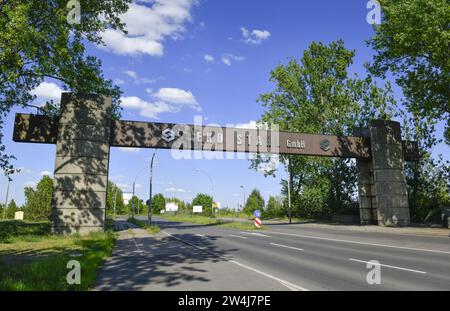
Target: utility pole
(150,212)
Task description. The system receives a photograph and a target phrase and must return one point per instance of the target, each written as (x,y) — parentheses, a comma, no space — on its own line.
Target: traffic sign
(257,214)
(258,222)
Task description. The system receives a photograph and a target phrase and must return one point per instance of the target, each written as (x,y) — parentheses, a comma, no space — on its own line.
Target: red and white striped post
(258,222)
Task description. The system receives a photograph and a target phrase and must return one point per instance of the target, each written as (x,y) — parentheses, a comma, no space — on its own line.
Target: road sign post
(257,221)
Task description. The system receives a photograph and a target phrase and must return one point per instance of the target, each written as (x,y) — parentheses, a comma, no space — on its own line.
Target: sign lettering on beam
(43,129)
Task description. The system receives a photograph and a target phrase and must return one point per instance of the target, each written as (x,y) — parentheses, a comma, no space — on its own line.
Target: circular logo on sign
(325,145)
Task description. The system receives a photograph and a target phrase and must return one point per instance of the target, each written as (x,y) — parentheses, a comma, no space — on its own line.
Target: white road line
(388,266)
(238,236)
(361,243)
(255,234)
(138,250)
(201,235)
(289,285)
(285,246)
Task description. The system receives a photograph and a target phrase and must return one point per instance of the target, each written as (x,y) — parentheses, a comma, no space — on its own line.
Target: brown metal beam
(43,129)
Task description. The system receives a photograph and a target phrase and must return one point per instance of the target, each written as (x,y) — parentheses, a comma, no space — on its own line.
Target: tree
(316,95)
(138,204)
(158,203)
(205,201)
(38,201)
(113,191)
(274,208)
(37,43)
(11,209)
(254,202)
(413,43)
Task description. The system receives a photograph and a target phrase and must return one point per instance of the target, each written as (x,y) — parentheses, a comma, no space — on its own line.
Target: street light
(149,212)
(212,186)
(243,188)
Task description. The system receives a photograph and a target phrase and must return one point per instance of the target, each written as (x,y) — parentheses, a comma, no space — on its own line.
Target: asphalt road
(187,257)
(302,257)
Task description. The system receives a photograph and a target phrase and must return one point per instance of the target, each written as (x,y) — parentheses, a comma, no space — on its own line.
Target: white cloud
(146,109)
(47,91)
(176,96)
(123,186)
(165,100)
(255,36)
(138,186)
(149,26)
(209,58)
(250,125)
(46,173)
(129,150)
(228,57)
(117,177)
(176,190)
(30,184)
(119,82)
(137,79)
(226,61)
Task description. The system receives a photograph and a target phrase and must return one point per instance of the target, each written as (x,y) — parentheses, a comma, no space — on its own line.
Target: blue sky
(210,58)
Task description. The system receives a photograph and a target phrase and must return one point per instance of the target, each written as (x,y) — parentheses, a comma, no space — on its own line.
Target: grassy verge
(14,228)
(203,220)
(39,261)
(144,225)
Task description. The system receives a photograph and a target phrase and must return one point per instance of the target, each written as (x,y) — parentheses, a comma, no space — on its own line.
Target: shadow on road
(159,263)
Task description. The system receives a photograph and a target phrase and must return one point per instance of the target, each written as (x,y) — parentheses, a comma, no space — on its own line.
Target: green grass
(38,261)
(14,228)
(144,225)
(204,220)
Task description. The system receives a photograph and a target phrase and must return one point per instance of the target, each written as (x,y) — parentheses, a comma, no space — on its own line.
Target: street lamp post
(243,188)
(150,212)
(212,186)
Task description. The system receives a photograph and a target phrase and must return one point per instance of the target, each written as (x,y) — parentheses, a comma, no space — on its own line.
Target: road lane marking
(362,243)
(255,234)
(238,236)
(285,246)
(387,266)
(201,235)
(291,286)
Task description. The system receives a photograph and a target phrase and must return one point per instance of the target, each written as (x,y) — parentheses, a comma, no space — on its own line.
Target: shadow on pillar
(81,166)
(383,195)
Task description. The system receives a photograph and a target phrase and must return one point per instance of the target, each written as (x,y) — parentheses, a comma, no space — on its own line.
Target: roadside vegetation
(32,259)
(143,225)
(210,221)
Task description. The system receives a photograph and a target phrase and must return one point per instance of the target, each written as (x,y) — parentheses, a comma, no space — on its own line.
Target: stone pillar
(389,189)
(81,167)
(367,202)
